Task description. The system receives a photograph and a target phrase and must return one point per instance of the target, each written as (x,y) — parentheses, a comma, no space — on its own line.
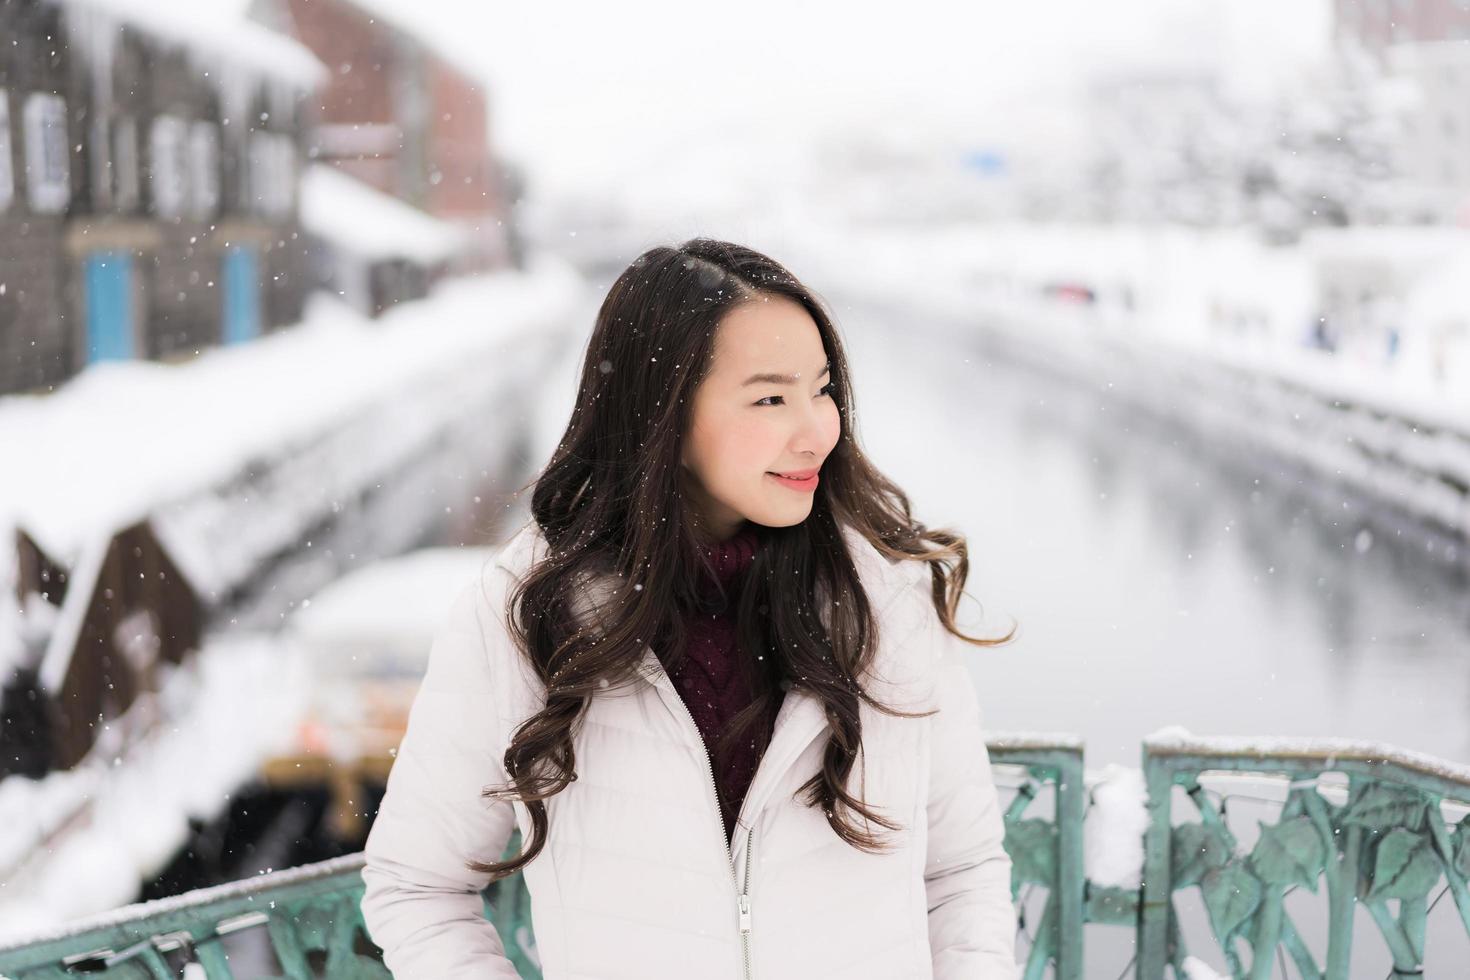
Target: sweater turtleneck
(712,678)
(729,559)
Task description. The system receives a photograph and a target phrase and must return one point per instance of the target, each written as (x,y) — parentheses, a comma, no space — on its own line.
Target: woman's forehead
(775,337)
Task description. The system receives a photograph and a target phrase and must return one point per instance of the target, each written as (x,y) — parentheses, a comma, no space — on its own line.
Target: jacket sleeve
(421,905)
(967,874)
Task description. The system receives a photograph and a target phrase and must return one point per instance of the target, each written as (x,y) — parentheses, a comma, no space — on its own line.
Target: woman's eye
(827,390)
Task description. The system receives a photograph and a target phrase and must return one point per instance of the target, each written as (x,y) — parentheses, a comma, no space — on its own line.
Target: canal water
(1155,581)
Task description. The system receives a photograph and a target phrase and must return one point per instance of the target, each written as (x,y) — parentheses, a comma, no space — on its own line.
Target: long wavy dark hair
(612,501)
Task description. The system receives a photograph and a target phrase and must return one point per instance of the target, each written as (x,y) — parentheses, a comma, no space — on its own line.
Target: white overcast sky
(583,91)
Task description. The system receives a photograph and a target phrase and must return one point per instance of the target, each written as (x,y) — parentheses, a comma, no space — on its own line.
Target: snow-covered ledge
(1176,740)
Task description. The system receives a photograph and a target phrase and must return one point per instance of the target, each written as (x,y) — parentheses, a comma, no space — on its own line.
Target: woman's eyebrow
(780,379)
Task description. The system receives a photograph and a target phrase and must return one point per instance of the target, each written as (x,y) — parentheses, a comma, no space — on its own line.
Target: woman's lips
(808,484)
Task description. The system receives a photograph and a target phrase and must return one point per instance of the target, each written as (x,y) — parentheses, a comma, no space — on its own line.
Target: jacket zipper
(742,900)
(745,901)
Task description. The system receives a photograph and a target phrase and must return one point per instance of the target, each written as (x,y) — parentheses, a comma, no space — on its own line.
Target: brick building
(403,118)
(148,169)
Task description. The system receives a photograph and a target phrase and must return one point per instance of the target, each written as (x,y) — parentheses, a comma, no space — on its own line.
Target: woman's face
(765,408)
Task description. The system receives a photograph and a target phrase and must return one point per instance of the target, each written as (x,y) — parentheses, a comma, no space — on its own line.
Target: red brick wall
(359,54)
(459,145)
(455,176)
(1377,23)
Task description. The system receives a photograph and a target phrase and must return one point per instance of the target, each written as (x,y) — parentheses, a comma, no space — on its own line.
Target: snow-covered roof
(393,604)
(443,36)
(218,29)
(365,221)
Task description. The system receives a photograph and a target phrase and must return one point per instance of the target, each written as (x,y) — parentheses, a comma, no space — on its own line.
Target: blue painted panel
(241,294)
(108,278)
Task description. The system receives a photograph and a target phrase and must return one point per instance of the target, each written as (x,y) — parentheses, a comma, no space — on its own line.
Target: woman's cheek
(758,449)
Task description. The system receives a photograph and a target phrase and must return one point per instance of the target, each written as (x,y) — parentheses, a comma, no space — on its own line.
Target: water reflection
(1157,579)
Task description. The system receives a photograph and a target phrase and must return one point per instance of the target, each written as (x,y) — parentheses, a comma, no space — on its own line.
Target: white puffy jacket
(637,880)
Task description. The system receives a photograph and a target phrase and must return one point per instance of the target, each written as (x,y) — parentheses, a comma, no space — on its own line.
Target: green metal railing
(1388,840)
(305,922)
(1046,850)
(1372,821)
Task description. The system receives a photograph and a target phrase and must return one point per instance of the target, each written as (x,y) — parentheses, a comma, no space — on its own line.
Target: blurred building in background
(154,163)
(400,117)
(1378,25)
(1424,44)
(147,185)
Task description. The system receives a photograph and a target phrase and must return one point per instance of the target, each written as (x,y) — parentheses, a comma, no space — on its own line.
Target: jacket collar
(896,596)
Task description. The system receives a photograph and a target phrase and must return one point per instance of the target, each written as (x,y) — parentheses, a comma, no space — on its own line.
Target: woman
(702,682)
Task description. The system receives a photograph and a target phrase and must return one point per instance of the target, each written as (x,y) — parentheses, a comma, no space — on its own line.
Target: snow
(1197,969)
(219,31)
(367,637)
(1112,833)
(1186,285)
(392,602)
(1117,818)
(1028,741)
(1209,327)
(243,888)
(82,841)
(69,619)
(336,366)
(346,397)
(444,32)
(363,220)
(1178,740)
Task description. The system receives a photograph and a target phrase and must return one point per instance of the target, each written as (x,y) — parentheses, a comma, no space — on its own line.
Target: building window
(168,166)
(204,169)
(125,164)
(99,157)
(48,186)
(272,173)
(287,164)
(7,177)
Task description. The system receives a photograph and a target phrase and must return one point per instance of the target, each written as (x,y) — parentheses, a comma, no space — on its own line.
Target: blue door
(108,278)
(241,294)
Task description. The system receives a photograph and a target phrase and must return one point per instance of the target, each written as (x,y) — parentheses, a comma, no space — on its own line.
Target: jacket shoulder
(886,579)
(481,610)
(523,549)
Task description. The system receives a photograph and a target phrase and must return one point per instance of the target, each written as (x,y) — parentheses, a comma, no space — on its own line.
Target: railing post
(1071,869)
(1156,888)
(1342,894)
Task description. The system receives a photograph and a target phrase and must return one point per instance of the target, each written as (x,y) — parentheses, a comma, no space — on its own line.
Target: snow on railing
(1387,839)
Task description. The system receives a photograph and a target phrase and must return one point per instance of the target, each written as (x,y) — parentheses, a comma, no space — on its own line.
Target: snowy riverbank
(1213,329)
(125,440)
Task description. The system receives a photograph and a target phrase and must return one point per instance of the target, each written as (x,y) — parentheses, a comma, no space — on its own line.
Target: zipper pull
(744,914)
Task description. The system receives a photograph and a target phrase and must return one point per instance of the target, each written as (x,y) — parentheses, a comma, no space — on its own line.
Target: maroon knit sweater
(714,683)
